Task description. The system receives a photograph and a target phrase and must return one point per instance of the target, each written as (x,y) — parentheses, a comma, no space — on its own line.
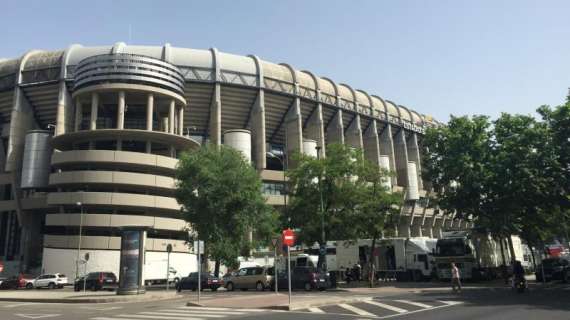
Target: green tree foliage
(510,175)
(355,201)
(221,198)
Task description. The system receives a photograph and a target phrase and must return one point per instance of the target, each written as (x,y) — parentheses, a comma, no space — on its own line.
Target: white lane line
(413,303)
(202,311)
(179,314)
(316,310)
(19,305)
(420,310)
(385,306)
(221,309)
(356,310)
(448,302)
(143,316)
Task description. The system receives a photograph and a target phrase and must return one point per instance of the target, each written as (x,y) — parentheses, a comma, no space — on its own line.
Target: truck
(400,258)
(477,255)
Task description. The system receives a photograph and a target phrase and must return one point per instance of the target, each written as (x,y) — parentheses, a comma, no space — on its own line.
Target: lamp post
(275,273)
(80,205)
(322,251)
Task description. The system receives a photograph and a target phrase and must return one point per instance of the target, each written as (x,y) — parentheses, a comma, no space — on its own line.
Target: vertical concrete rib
(121,110)
(387,148)
(94,110)
(335,129)
(293,121)
(216,104)
(78,115)
(258,120)
(149,111)
(354,133)
(171,109)
(371,143)
(181,120)
(401,157)
(315,128)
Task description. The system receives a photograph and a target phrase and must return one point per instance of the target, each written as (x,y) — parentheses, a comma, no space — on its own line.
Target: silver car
(50,281)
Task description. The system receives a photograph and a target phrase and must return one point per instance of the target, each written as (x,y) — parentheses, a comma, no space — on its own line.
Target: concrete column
(149,111)
(258,131)
(414,155)
(387,148)
(121,111)
(94,109)
(401,155)
(171,116)
(216,116)
(165,124)
(293,130)
(335,129)
(78,115)
(64,117)
(353,136)
(181,120)
(314,128)
(371,143)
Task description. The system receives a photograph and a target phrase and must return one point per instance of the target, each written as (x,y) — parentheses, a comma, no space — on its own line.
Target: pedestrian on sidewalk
(455,278)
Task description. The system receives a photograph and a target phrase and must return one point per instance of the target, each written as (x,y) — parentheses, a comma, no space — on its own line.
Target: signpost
(274,241)
(289,240)
(86,258)
(199,246)
(168,250)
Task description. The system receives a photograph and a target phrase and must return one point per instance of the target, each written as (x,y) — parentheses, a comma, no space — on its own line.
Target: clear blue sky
(437,57)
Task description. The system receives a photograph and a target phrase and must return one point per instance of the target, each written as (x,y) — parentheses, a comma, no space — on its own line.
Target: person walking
(455,278)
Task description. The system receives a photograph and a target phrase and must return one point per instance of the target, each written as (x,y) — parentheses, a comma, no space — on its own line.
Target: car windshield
(450,247)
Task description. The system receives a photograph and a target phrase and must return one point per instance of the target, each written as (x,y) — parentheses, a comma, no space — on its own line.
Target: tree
(355,203)
(221,198)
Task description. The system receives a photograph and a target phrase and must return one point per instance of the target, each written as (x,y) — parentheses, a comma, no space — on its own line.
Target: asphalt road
(538,303)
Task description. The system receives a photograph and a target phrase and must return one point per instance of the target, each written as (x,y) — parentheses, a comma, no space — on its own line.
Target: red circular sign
(288,237)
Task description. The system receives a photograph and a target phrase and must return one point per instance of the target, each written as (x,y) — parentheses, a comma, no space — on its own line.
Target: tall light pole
(80,205)
(275,273)
(323,248)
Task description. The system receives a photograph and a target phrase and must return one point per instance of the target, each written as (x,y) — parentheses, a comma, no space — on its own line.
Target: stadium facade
(91,135)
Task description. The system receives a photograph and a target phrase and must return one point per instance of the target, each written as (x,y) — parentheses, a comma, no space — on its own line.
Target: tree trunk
(371,273)
(217,268)
(511,248)
(532,256)
(502,251)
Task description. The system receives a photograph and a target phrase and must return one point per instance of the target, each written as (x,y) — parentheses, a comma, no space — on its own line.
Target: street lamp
(80,205)
(275,273)
(322,251)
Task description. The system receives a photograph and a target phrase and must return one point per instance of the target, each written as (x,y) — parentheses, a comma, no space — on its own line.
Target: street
(549,302)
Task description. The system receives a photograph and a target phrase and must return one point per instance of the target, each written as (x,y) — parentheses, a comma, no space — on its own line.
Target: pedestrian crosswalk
(381,307)
(182,313)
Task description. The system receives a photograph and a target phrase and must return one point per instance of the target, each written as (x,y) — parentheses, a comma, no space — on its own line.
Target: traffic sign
(274,241)
(86,256)
(169,248)
(288,237)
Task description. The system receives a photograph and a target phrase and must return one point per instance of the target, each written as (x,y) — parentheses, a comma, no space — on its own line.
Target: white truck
(476,254)
(400,258)
(155,273)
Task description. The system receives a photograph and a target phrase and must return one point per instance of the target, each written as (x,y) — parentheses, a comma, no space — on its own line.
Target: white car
(50,281)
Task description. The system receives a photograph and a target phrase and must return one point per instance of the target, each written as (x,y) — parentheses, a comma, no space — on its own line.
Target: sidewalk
(69,296)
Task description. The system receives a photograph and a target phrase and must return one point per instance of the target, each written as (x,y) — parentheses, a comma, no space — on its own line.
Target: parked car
(554,269)
(50,281)
(258,278)
(96,281)
(9,283)
(207,281)
(26,281)
(306,278)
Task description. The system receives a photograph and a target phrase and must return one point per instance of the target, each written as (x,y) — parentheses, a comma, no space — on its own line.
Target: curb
(87,300)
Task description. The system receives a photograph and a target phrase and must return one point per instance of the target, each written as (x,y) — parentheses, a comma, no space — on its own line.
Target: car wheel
(230,286)
(29,286)
(51,285)
(308,286)
(259,286)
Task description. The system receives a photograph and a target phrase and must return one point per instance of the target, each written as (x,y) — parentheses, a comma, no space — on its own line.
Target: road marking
(413,303)
(142,316)
(449,303)
(316,310)
(36,316)
(356,310)
(19,305)
(181,314)
(202,311)
(106,318)
(101,308)
(420,310)
(221,309)
(385,306)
